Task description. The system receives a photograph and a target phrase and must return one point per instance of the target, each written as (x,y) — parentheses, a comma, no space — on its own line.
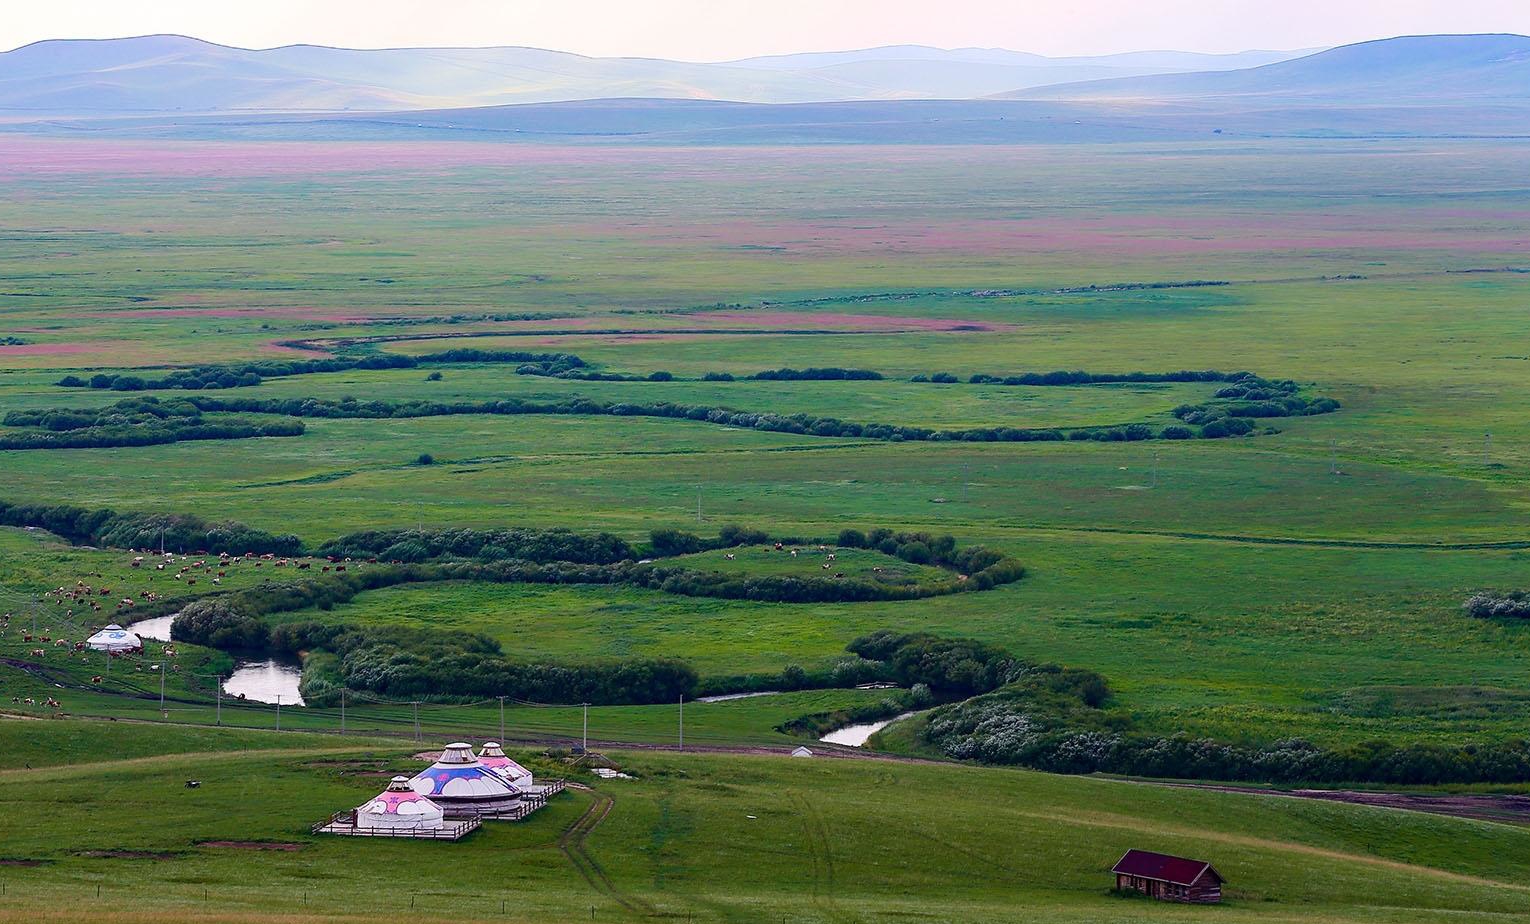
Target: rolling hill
(160,73)
(1408,71)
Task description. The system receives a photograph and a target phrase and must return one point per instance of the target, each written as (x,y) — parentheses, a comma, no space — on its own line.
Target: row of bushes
(517,555)
(398,662)
(149,435)
(1080,377)
(131,422)
(825,374)
(238,375)
(1051,718)
(805,424)
(521,544)
(178,532)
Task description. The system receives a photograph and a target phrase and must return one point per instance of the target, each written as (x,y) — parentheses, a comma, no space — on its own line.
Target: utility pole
(342,710)
(416,705)
(278,712)
(501,720)
(1487,450)
(1333,457)
(218,683)
(966,479)
(682,721)
(162,713)
(698,505)
(1155,469)
(584,743)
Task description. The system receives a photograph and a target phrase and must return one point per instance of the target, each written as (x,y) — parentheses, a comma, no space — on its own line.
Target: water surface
(856,735)
(263,681)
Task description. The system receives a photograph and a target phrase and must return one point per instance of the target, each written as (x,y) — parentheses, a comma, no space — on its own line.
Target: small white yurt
(399,807)
(458,782)
(801,752)
(491,755)
(114,638)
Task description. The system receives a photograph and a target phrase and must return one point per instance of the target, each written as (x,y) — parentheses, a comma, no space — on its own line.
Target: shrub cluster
(180,532)
(132,422)
(1079,377)
(213,622)
(1487,605)
(489,545)
(1051,718)
(1250,397)
(948,666)
(827,374)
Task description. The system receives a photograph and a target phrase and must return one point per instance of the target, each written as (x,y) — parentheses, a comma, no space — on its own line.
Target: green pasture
(1305,583)
(707,838)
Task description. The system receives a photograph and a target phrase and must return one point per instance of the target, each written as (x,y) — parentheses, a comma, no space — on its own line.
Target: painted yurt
(400,807)
(458,782)
(114,638)
(491,755)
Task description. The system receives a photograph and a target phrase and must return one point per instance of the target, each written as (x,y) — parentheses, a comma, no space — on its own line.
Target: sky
(716,30)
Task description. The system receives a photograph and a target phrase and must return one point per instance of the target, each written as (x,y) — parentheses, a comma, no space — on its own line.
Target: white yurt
(399,807)
(114,638)
(491,755)
(457,782)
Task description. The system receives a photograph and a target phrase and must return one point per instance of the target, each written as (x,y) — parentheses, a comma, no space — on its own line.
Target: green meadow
(1305,583)
(706,838)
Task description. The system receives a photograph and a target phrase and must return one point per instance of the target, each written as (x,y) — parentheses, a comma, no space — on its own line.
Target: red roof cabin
(1169,879)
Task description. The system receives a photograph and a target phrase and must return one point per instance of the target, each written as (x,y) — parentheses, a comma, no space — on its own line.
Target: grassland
(1140,564)
(709,838)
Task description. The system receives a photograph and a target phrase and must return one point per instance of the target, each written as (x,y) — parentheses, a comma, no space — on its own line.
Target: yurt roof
(458,774)
(493,757)
(114,636)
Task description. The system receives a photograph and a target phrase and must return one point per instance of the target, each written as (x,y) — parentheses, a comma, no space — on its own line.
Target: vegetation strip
(1231,412)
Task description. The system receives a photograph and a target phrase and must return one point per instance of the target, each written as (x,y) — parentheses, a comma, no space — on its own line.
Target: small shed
(115,639)
(1168,878)
(801,752)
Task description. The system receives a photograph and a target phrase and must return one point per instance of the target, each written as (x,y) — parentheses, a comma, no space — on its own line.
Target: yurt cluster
(448,799)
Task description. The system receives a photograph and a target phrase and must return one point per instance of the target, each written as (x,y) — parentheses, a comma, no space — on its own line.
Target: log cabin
(1168,878)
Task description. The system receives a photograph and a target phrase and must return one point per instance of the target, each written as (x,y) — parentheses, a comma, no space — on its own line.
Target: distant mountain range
(161,73)
(1423,86)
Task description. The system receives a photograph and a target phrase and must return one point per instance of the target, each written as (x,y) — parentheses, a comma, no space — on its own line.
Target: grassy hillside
(716,838)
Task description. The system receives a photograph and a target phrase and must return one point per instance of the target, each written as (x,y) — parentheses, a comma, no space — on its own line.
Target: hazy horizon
(728,30)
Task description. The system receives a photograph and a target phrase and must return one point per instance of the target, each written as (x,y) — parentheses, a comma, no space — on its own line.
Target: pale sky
(712,30)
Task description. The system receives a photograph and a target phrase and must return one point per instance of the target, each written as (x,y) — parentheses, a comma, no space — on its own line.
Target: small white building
(398,811)
(400,807)
(115,640)
(801,752)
